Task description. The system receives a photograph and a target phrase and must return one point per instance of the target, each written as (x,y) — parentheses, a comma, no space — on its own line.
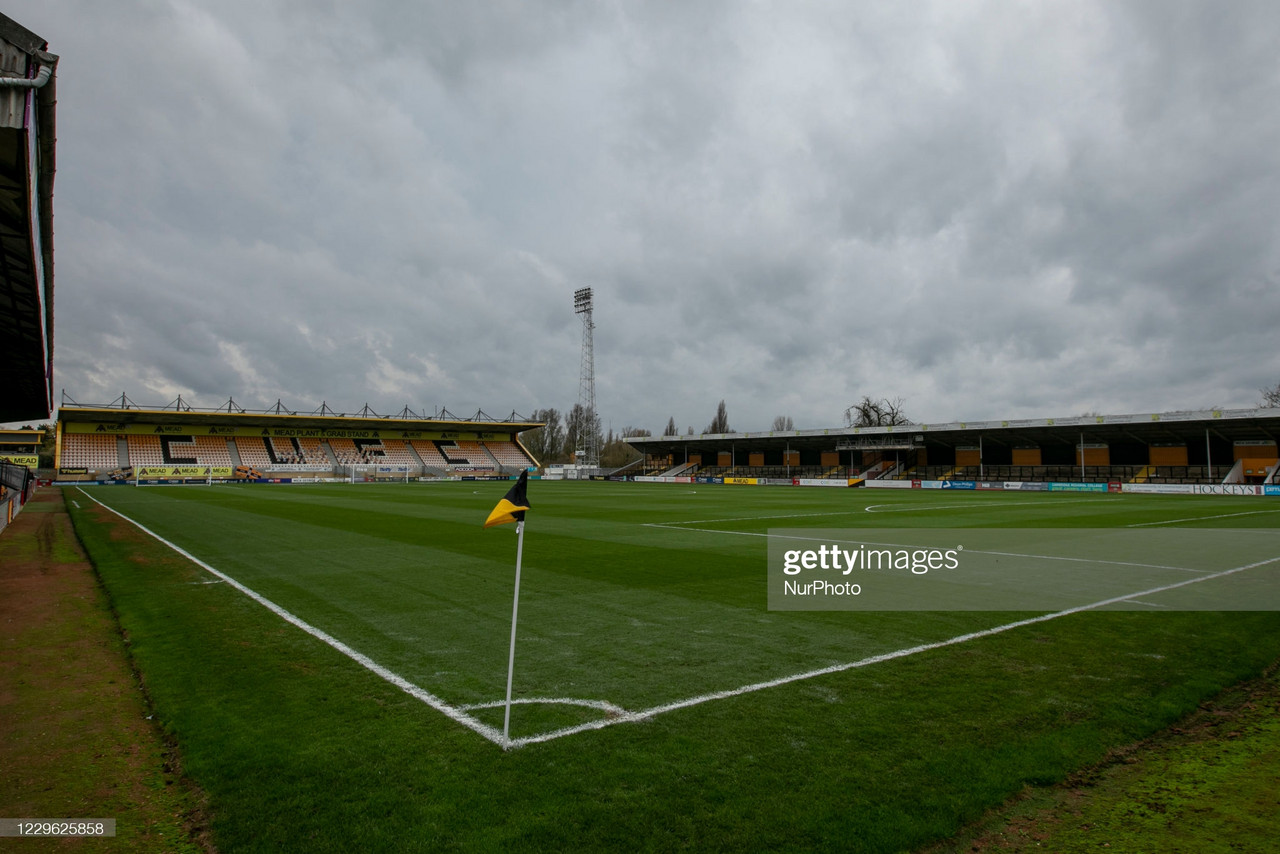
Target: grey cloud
(991,211)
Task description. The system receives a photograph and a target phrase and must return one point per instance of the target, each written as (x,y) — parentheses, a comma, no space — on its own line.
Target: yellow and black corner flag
(512,506)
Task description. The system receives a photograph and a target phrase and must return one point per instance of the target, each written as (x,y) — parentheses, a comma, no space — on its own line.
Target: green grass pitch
(642,619)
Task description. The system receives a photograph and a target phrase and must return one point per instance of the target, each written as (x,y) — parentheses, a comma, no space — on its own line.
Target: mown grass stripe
(452,712)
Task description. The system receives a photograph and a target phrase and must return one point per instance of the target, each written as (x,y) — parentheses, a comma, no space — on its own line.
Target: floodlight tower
(587,450)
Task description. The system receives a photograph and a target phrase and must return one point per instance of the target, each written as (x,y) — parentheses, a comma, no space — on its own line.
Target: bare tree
(671,430)
(617,452)
(876,413)
(1271,397)
(782,423)
(580,421)
(719,424)
(546,443)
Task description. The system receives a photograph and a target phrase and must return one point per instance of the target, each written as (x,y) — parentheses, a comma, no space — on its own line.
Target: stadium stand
(681,469)
(472,453)
(97,451)
(346,452)
(1179,474)
(507,454)
(177,450)
(145,451)
(252,451)
(429,453)
(313,451)
(1090,474)
(95,442)
(444,454)
(396,453)
(285,451)
(212,451)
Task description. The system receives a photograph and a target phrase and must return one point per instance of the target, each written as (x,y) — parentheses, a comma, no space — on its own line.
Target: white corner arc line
(452,712)
(602,705)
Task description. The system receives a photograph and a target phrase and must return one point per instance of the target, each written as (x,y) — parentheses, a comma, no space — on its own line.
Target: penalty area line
(646,714)
(452,712)
(1201,518)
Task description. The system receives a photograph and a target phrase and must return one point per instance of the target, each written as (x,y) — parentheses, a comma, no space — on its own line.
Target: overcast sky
(991,210)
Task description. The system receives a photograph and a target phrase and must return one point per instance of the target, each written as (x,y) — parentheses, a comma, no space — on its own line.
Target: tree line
(558,439)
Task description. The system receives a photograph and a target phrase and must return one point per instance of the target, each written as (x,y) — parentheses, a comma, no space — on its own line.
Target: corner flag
(511,509)
(512,506)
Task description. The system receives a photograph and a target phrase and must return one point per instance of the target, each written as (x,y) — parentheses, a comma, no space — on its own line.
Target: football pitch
(331,660)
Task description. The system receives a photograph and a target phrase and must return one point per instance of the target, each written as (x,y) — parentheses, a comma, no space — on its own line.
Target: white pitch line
(1087,560)
(747,519)
(814,539)
(452,712)
(870,508)
(618,715)
(703,530)
(1200,518)
(602,705)
(645,714)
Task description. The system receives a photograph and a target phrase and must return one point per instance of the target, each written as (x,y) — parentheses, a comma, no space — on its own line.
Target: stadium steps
(947,475)
(413,453)
(122,451)
(1144,475)
(328,452)
(624,469)
(878,470)
(234,452)
(683,467)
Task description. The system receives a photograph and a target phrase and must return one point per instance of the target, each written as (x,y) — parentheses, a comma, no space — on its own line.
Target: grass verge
(77,740)
(1209,783)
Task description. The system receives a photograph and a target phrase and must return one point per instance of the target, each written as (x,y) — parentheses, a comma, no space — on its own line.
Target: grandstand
(505,454)
(179,442)
(252,451)
(1211,447)
(1200,447)
(395,452)
(429,454)
(93,451)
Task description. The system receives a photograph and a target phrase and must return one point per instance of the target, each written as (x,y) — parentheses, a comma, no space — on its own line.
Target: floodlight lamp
(582,300)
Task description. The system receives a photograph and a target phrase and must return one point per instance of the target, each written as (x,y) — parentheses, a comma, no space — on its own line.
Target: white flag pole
(515,608)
